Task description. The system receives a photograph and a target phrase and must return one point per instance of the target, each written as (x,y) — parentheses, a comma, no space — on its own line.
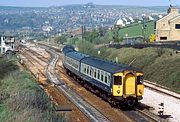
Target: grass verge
(21,99)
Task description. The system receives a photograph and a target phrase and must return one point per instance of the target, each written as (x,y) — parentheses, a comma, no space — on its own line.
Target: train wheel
(75,78)
(69,73)
(131,103)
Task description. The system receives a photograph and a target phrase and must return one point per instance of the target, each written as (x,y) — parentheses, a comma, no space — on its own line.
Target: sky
(46,3)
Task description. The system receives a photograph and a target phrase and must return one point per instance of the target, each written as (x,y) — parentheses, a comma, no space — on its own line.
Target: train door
(117,86)
(130,85)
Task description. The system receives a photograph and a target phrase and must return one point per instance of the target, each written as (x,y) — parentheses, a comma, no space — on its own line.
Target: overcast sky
(42,3)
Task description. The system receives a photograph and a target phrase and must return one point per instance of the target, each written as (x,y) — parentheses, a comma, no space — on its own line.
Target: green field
(136,30)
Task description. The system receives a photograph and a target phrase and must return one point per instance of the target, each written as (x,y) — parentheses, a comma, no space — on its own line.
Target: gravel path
(171,105)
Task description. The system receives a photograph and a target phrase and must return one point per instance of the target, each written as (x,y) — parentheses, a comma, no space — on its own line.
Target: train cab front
(128,86)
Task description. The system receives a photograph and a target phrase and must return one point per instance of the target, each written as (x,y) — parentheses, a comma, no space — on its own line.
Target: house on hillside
(168,27)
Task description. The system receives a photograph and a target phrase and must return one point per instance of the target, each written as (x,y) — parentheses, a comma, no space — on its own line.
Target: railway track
(161,89)
(136,114)
(92,113)
(145,114)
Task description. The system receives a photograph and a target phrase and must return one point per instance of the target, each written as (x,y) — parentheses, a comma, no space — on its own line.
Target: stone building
(168,27)
(6,44)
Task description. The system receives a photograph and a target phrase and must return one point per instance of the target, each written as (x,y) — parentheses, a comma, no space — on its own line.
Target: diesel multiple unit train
(114,82)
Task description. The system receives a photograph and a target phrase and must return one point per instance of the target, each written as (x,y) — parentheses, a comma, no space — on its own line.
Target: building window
(163,38)
(154,25)
(177,26)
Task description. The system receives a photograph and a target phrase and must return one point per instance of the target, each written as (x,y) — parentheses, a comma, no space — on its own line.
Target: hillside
(158,65)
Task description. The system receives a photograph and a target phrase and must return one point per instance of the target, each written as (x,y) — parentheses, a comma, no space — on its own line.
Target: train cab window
(117,80)
(139,79)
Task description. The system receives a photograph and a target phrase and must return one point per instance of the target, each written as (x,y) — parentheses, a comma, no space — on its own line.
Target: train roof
(108,66)
(76,55)
(68,48)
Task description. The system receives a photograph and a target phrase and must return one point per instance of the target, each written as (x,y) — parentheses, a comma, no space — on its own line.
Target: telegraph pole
(144,29)
(170,2)
(83,26)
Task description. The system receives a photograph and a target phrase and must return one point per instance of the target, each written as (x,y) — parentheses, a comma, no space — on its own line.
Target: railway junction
(79,104)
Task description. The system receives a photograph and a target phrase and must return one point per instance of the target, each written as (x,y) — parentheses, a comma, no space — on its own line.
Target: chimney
(173,9)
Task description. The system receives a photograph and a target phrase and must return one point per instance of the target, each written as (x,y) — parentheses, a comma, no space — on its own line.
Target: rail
(91,112)
(161,89)
(136,114)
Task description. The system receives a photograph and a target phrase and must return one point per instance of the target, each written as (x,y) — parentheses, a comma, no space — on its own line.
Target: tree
(73,40)
(85,47)
(90,36)
(60,39)
(152,38)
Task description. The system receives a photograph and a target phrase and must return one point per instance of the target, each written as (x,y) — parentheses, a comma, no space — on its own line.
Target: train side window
(109,78)
(117,80)
(84,68)
(88,70)
(77,65)
(95,73)
(91,70)
(106,78)
(98,74)
(102,76)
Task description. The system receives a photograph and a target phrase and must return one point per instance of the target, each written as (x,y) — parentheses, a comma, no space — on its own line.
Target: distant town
(53,20)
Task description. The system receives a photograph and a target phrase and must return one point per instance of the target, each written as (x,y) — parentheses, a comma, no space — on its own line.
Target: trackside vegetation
(21,99)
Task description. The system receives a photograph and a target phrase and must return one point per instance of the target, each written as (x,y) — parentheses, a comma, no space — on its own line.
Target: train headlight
(118,91)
